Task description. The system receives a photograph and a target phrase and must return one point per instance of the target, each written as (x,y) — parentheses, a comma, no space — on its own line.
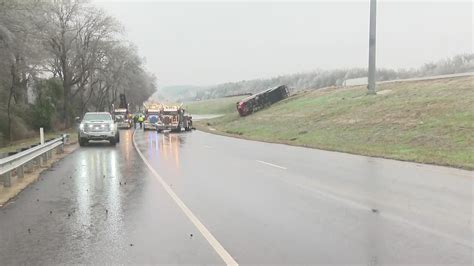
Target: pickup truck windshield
(100,117)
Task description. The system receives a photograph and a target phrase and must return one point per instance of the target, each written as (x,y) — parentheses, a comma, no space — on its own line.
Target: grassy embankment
(423,121)
(213,107)
(12,146)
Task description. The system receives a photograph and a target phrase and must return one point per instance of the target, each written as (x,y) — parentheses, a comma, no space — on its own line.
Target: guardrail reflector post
(6,178)
(41,136)
(20,172)
(65,139)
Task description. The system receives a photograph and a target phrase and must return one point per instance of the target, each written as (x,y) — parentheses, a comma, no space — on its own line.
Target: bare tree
(121,71)
(70,41)
(74,40)
(19,54)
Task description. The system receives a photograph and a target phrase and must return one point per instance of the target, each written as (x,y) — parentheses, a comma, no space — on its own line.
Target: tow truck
(173,118)
(121,114)
(152,113)
(122,118)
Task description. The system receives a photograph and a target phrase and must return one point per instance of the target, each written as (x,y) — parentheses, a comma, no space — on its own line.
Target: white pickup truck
(98,126)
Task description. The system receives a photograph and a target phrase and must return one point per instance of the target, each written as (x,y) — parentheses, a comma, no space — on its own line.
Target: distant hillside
(177,93)
(336,77)
(317,79)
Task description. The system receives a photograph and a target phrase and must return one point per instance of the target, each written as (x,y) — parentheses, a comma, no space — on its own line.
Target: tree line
(59,59)
(327,78)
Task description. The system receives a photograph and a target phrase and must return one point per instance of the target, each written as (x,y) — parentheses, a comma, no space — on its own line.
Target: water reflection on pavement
(100,205)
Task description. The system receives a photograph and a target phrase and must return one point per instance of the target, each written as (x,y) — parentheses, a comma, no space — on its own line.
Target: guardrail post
(6,178)
(44,159)
(29,166)
(36,162)
(20,172)
(60,148)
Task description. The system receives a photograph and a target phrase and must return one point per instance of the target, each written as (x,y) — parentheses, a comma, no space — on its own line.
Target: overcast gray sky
(213,42)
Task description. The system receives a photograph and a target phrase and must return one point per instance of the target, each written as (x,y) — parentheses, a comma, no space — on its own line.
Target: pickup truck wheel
(113,141)
(82,142)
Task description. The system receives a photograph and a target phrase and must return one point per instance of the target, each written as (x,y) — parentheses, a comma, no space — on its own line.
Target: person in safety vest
(141,118)
(135,121)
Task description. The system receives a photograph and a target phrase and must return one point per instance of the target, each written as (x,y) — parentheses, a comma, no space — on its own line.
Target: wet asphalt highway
(264,203)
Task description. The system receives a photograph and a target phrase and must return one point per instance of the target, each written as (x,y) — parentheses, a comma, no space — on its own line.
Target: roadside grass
(421,121)
(18,144)
(213,106)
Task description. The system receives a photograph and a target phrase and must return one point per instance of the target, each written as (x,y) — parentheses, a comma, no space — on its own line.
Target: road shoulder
(18,185)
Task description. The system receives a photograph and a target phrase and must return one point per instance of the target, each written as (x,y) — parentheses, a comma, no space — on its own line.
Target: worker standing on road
(140,120)
(135,120)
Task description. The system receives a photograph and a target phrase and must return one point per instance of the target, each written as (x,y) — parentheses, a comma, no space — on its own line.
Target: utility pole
(372,29)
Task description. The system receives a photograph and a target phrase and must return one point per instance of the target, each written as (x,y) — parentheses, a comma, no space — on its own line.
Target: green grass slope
(423,121)
(213,106)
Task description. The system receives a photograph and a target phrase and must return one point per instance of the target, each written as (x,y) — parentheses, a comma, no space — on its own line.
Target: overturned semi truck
(261,100)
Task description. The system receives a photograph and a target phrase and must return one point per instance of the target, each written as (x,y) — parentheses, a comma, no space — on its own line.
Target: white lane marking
(209,237)
(274,165)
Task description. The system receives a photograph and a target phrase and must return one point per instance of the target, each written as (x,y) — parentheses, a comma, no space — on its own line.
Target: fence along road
(35,156)
(363,80)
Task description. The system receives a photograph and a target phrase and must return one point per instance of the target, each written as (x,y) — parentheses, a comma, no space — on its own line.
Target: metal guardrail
(29,159)
(363,80)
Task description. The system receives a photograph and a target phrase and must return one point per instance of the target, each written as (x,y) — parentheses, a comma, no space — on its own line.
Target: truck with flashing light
(152,113)
(174,118)
(122,118)
(121,114)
